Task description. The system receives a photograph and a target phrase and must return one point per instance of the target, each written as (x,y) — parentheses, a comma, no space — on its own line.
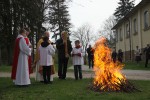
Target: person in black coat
(147,53)
(90,56)
(120,55)
(64,49)
(114,55)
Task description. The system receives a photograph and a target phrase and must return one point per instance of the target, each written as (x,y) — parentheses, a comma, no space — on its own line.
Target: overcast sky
(93,12)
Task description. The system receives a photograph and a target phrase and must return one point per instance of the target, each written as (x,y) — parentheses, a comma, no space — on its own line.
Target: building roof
(141,4)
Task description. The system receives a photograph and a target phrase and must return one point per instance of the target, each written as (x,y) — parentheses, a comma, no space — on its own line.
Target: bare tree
(107,31)
(84,34)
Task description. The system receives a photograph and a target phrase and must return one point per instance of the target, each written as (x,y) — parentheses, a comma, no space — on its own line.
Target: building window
(135,26)
(127,30)
(120,33)
(146,19)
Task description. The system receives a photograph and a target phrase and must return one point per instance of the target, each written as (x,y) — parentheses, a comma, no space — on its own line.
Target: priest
(39,69)
(20,68)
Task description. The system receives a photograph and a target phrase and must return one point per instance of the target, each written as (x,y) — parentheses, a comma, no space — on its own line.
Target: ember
(108,76)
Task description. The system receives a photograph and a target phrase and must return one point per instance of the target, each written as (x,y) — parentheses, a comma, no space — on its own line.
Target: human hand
(30,46)
(79,54)
(73,55)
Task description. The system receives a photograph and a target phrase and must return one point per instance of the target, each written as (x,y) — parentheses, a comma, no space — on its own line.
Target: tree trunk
(0,57)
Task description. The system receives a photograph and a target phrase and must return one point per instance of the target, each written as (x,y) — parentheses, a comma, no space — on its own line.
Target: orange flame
(108,76)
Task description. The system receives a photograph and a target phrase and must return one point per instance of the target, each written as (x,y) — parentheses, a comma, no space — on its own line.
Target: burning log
(108,76)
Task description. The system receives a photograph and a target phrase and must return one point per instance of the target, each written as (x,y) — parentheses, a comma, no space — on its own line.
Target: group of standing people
(138,54)
(44,58)
(117,56)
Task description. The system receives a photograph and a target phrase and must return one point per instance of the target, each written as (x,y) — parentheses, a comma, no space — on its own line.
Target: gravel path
(88,73)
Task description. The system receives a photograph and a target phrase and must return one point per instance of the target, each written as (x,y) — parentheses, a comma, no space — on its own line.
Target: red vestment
(15,58)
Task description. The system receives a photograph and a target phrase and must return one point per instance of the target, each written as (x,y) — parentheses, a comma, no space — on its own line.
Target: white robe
(76,59)
(46,55)
(38,76)
(22,74)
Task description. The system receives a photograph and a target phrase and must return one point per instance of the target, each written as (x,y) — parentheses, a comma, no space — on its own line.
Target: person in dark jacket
(90,56)
(114,55)
(147,53)
(120,55)
(64,49)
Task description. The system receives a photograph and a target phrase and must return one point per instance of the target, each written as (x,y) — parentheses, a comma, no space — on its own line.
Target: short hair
(22,31)
(45,38)
(77,41)
(45,33)
(27,29)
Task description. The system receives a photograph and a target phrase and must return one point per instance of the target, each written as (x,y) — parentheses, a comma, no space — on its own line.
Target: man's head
(77,43)
(89,46)
(64,35)
(46,34)
(119,50)
(148,45)
(23,32)
(27,31)
(137,47)
(45,39)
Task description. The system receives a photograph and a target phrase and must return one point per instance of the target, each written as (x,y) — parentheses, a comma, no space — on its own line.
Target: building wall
(145,33)
(140,38)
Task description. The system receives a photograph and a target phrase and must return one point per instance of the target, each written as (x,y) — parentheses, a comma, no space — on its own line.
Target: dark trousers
(120,60)
(146,62)
(77,69)
(62,67)
(46,72)
(91,62)
(114,60)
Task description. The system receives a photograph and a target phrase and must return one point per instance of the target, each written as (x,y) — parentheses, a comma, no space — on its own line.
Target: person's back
(46,51)
(120,55)
(89,52)
(114,54)
(147,51)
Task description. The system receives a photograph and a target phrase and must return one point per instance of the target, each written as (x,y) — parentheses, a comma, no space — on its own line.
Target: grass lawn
(134,66)
(67,90)
(5,68)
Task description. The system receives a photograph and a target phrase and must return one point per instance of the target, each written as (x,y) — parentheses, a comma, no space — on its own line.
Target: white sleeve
(82,52)
(72,52)
(24,48)
(51,50)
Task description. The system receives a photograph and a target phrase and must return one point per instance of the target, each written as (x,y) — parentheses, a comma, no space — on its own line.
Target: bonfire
(108,76)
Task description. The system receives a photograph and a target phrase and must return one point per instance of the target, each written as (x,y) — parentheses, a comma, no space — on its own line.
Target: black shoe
(42,81)
(60,77)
